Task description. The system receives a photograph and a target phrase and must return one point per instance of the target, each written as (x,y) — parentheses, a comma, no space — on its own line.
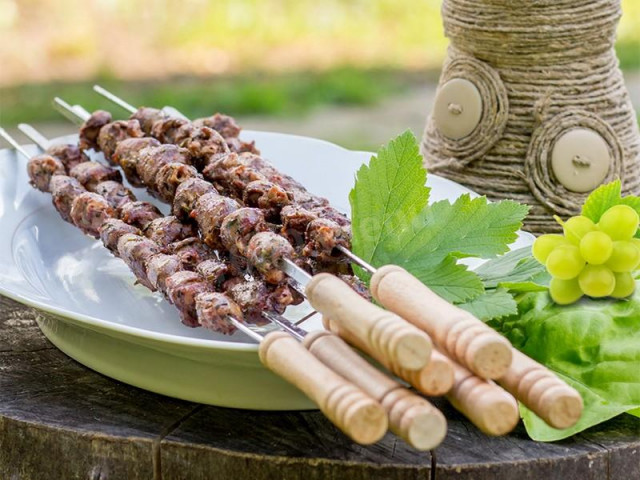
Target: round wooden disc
(59,419)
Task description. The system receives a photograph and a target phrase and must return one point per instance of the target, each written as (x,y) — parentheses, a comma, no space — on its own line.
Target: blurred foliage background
(271,62)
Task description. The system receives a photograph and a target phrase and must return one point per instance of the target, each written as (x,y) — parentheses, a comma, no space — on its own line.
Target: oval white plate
(100,318)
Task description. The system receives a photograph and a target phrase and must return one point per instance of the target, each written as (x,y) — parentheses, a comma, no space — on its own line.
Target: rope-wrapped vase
(532,106)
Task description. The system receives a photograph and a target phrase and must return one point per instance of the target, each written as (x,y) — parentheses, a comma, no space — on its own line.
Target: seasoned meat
(152,159)
(64,190)
(136,251)
(41,168)
(90,174)
(280,297)
(147,116)
(167,129)
(202,143)
(89,211)
(91,129)
(223,124)
(215,271)
(187,193)
(166,230)
(265,253)
(295,220)
(267,196)
(160,267)
(238,227)
(238,178)
(70,155)
(115,193)
(210,211)
(139,214)
(322,237)
(236,145)
(115,132)
(111,231)
(191,252)
(182,290)
(212,310)
(253,298)
(357,285)
(327,212)
(217,169)
(127,155)
(169,178)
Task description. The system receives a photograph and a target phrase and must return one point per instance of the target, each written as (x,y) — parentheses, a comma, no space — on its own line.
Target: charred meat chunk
(212,310)
(111,231)
(169,178)
(160,267)
(115,193)
(266,252)
(41,168)
(139,214)
(215,271)
(70,155)
(64,190)
(136,251)
(327,212)
(166,130)
(295,220)
(182,290)
(90,174)
(210,211)
(191,252)
(202,143)
(113,133)
(322,237)
(89,211)
(147,116)
(187,194)
(127,155)
(223,124)
(267,196)
(166,230)
(236,145)
(91,129)
(152,159)
(252,297)
(238,227)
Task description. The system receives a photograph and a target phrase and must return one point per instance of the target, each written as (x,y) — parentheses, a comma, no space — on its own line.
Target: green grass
(253,94)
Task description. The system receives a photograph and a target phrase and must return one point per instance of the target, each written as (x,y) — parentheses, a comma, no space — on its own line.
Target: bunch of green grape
(591,259)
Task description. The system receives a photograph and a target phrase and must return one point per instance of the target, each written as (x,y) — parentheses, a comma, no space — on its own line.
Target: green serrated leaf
(605,197)
(492,304)
(514,271)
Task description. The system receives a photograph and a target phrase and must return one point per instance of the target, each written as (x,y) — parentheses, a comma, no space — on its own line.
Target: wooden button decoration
(458,108)
(580,160)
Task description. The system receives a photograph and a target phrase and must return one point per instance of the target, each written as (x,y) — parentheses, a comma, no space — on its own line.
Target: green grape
(625,285)
(577,227)
(624,257)
(544,244)
(564,292)
(619,222)
(565,262)
(596,247)
(597,281)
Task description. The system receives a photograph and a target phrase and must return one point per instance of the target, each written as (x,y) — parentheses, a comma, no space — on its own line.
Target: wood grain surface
(60,420)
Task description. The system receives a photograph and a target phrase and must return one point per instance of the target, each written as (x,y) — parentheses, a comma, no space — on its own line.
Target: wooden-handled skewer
(463,337)
(540,390)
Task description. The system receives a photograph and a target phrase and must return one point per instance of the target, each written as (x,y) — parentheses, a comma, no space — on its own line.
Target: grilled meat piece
(322,237)
(187,194)
(89,211)
(111,231)
(147,116)
(223,124)
(236,145)
(90,174)
(295,220)
(212,310)
(267,196)
(182,290)
(357,285)
(70,155)
(152,159)
(41,168)
(127,155)
(265,253)
(327,212)
(166,129)
(139,214)
(215,271)
(91,129)
(115,193)
(169,178)
(239,226)
(167,230)
(191,252)
(160,267)
(202,143)
(136,251)
(64,190)
(209,212)
(115,132)
(252,297)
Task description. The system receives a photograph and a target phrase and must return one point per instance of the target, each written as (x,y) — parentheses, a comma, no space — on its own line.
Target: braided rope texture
(542,67)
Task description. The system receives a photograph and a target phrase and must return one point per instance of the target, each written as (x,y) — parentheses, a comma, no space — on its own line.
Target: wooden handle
(381,331)
(542,391)
(463,337)
(355,413)
(434,380)
(411,417)
(488,406)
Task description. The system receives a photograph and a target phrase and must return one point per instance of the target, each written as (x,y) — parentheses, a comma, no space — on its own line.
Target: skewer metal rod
(115,99)
(68,111)
(34,135)
(13,143)
(286,325)
(244,329)
(356,259)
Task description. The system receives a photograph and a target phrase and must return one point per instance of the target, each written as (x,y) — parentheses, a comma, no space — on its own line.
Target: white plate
(105,322)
